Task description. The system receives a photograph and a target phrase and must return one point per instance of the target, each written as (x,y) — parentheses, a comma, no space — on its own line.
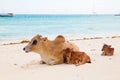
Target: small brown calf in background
(107,50)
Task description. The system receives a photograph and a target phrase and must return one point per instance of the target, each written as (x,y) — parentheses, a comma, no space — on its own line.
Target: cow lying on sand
(75,57)
(107,50)
(50,51)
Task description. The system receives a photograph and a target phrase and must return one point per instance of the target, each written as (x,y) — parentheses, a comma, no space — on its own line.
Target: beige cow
(50,51)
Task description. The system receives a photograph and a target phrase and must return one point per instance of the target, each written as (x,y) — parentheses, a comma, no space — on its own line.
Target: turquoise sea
(27,26)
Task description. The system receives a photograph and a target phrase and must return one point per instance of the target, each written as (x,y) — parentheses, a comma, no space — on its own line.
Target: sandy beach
(15,64)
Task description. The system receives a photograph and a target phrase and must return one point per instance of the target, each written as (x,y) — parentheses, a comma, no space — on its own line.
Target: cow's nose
(23,49)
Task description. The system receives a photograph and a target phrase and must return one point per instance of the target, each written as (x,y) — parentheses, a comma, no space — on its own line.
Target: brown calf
(75,57)
(107,50)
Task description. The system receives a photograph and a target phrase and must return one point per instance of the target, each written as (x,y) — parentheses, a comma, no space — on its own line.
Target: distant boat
(117,14)
(6,14)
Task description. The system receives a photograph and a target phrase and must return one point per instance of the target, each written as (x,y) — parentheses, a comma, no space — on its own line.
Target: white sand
(15,64)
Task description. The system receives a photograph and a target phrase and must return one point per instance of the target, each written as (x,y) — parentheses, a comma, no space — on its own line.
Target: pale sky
(60,6)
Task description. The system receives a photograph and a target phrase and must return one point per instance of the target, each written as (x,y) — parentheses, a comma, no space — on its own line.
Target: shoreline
(70,39)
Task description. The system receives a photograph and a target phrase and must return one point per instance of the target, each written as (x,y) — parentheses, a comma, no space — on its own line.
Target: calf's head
(105,47)
(33,44)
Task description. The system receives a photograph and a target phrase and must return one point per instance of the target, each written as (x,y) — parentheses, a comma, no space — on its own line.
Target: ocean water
(27,26)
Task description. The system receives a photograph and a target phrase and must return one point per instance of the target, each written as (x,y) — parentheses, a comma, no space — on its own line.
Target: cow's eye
(34,42)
